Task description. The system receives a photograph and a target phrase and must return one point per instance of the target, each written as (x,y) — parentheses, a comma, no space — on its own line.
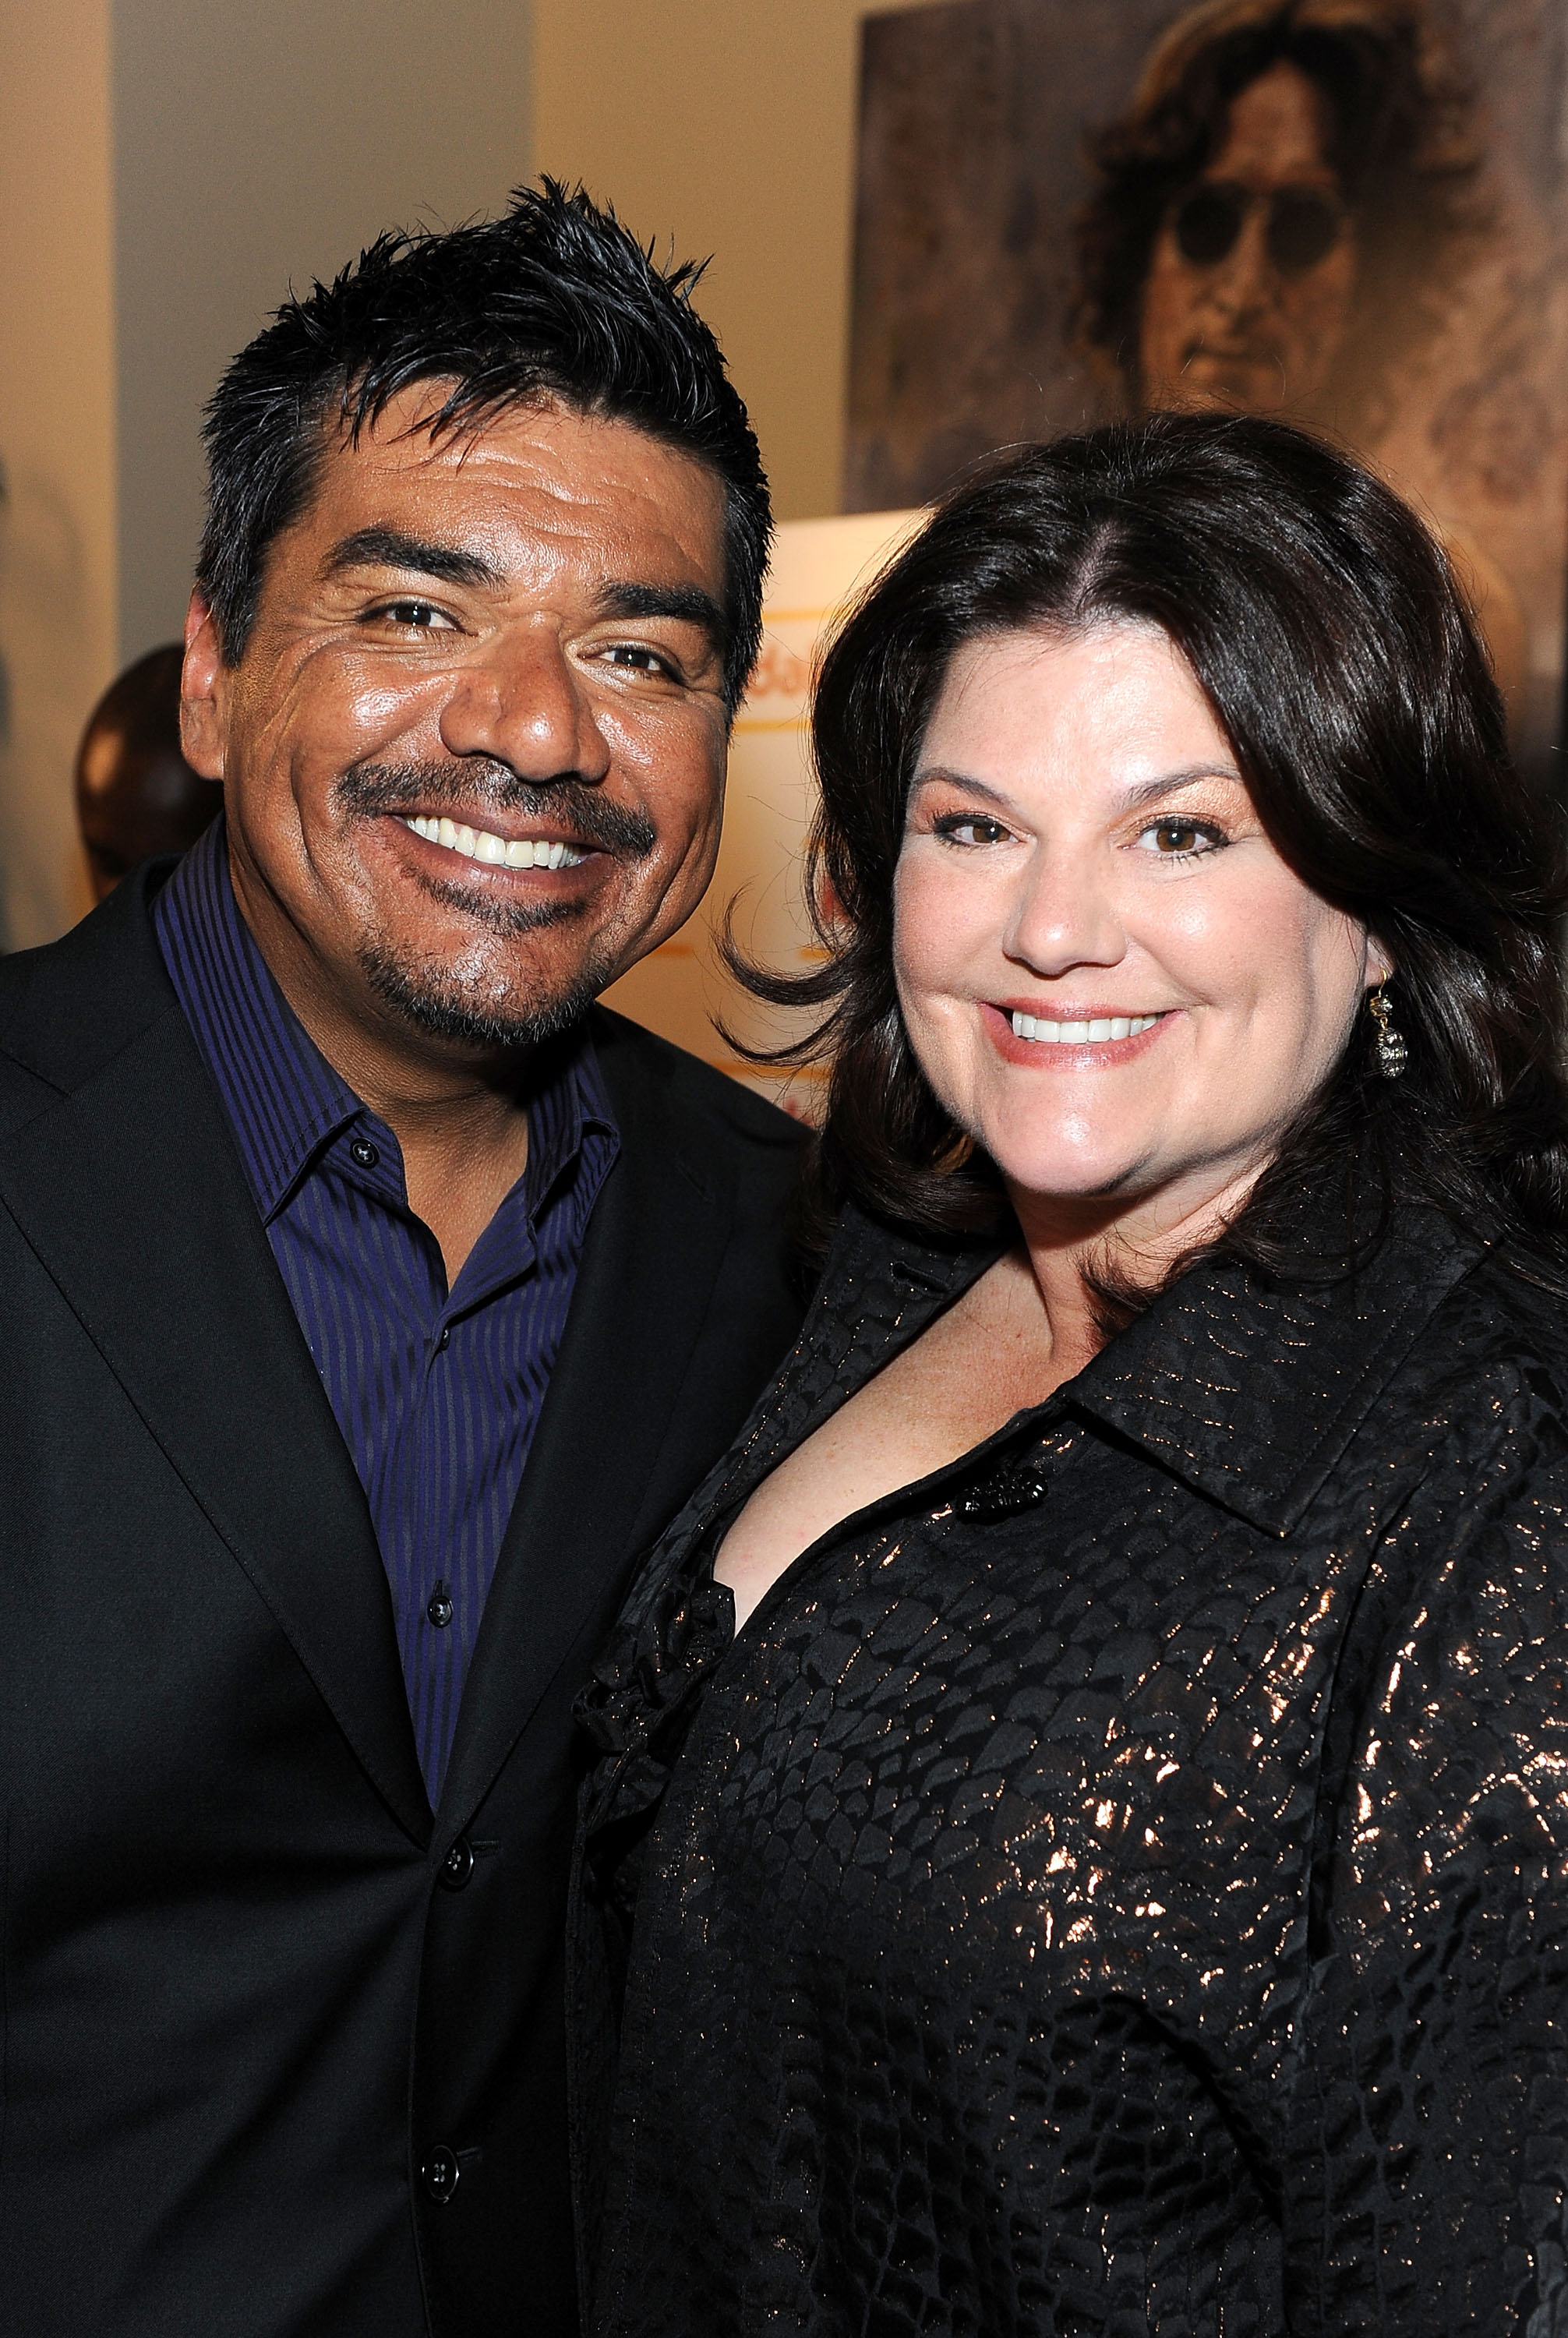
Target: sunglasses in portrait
(1304,225)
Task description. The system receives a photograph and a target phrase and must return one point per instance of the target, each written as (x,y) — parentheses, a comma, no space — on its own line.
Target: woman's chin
(1047,1180)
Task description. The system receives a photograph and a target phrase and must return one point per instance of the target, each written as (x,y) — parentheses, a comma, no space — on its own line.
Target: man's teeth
(1081,1035)
(478,844)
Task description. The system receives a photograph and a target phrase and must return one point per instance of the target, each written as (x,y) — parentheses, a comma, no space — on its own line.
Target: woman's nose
(523,705)
(1064,917)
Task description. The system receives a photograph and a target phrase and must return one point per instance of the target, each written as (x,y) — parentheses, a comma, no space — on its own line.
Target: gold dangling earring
(1393,1055)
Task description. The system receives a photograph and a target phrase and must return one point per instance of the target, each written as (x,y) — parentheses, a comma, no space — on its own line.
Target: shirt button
(459,1865)
(365,1153)
(446,1339)
(439,1608)
(440,2173)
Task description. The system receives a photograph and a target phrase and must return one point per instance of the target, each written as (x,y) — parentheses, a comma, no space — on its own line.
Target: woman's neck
(1080,1245)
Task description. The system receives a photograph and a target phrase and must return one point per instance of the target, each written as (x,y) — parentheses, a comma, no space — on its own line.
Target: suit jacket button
(457,1866)
(440,2173)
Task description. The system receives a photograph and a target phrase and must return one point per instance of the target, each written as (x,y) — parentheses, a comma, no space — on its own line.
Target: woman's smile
(1072,1038)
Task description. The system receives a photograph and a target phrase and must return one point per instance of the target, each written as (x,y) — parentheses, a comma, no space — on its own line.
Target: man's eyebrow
(688,602)
(389,547)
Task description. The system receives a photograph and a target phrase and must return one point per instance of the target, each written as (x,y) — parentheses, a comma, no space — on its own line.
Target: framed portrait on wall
(1348,213)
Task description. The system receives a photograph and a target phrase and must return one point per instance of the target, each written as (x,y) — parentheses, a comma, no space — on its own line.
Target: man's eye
(1181,840)
(638,658)
(970,828)
(421,614)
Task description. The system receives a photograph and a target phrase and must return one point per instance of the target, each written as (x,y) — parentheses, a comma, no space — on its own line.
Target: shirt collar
(1250,1391)
(1253,1391)
(284,1100)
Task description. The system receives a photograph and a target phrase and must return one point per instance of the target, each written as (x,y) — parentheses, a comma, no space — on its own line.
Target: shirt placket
(451,1464)
(431,1630)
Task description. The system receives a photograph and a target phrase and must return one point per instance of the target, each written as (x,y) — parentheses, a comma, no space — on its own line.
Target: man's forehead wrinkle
(532,503)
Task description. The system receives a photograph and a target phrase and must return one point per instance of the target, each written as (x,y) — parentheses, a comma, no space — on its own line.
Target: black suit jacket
(259,2001)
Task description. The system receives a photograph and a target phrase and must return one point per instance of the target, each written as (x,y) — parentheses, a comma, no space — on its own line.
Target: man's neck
(457,1114)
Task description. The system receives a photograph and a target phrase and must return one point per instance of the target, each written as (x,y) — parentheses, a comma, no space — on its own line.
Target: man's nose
(524,704)
(1064,917)
(1247,279)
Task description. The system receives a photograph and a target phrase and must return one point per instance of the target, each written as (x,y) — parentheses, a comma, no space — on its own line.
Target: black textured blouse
(1118,1884)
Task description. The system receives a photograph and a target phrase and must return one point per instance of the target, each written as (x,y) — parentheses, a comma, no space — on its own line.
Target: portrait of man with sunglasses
(1350,214)
(1278,210)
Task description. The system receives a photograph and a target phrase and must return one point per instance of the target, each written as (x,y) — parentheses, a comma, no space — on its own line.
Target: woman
(1091,1767)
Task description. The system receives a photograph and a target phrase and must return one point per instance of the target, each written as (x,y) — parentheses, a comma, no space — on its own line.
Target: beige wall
(57,533)
(262,142)
(729,124)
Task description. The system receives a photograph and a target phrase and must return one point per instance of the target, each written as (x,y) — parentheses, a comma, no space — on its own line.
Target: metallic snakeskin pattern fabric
(1119,1885)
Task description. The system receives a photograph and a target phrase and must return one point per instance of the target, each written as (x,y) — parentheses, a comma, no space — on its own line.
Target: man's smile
(484,845)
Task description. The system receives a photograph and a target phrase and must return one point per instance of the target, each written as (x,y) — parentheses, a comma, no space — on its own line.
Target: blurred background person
(136,795)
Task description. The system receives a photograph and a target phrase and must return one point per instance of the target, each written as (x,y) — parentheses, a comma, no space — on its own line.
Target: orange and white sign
(818,566)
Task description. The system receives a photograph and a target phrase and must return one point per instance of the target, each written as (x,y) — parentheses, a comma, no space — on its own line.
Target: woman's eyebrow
(939,774)
(1170,783)
(1165,784)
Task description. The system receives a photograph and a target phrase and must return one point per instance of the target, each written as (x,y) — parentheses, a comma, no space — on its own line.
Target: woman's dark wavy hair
(1325,626)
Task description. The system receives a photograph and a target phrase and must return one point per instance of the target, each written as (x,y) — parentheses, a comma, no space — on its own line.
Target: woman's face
(1111,978)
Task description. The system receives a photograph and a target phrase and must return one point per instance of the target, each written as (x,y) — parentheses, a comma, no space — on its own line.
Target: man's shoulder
(644,1072)
(70,1007)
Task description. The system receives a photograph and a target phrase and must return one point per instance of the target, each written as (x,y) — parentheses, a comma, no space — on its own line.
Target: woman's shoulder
(1487,1384)
(1505,1320)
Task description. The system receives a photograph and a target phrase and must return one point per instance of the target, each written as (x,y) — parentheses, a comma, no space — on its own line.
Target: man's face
(474,749)
(1253,269)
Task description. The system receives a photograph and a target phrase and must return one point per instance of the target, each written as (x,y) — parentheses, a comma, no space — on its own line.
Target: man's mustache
(458,789)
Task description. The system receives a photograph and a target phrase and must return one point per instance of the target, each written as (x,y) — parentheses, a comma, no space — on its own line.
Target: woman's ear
(1379,964)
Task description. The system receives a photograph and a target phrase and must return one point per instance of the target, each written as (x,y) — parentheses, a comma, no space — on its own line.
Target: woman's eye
(970,828)
(1180,840)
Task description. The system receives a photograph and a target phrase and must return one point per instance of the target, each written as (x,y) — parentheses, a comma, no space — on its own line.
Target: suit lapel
(589,1493)
(128,1189)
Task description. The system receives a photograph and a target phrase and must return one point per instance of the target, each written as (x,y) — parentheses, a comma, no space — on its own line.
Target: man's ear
(203,694)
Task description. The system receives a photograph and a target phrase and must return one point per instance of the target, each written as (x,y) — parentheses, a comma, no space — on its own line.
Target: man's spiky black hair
(556,302)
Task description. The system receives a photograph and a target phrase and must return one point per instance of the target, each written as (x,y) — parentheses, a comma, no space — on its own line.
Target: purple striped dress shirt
(438,1392)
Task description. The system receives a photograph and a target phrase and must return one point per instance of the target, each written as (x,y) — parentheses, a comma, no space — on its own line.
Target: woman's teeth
(478,844)
(1081,1035)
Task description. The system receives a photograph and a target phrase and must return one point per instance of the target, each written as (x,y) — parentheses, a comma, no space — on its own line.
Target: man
(370,1300)
(136,795)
